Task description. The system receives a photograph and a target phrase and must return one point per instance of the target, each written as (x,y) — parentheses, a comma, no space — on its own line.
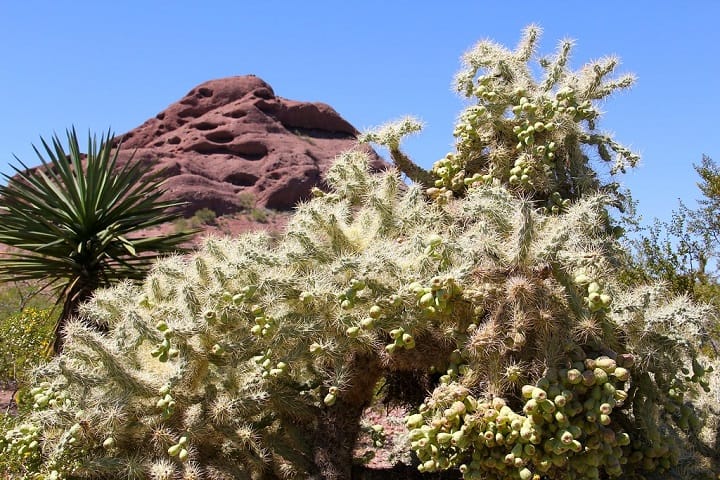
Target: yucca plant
(70,221)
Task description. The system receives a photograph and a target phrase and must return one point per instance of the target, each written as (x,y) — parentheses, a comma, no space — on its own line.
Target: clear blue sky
(115,64)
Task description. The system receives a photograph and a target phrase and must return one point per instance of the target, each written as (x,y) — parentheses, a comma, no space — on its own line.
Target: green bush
(259,215)
(25,340)
(204,216)
(247,200)
(201,217)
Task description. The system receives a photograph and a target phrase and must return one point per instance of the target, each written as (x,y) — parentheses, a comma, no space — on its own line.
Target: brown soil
(7,405)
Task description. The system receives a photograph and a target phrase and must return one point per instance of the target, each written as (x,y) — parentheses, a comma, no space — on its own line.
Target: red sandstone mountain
(233,136)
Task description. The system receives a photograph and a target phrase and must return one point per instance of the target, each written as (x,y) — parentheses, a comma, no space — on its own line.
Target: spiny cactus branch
(414,172)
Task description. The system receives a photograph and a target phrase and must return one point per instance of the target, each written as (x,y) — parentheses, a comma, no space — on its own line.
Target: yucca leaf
(71,221)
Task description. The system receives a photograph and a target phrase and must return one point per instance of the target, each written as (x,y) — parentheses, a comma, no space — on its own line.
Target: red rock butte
(232,136)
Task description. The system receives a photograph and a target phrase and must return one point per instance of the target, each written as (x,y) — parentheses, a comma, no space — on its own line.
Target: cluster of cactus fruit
(565,428)
(529,135)
(497,284)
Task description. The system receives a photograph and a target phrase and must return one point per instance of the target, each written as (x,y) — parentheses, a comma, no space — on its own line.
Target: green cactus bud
(183,455)
(531,406)
(396,333)
(588,378)
(580,278)
(606,363)
(428,299)
(546,406)
(601,376)
(395,300)
(352,332)
(527,391)
(561,418)
(574,376)
(367,323)
(414,420)
(575,446)
(605,299)
(539,394)
(623,439)
(375,312)
(174,450)
(566,437)
(330,399)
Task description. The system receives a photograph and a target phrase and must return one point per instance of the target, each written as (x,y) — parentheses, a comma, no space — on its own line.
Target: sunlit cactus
(255,357)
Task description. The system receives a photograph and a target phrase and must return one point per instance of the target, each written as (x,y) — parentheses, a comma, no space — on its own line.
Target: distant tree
(684,252)
(69,220)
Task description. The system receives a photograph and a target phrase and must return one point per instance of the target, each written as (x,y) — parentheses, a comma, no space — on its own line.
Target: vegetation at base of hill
(206,216)
(200,218)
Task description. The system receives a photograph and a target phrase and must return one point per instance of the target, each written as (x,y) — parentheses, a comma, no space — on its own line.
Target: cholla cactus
(531,135)
(255,357)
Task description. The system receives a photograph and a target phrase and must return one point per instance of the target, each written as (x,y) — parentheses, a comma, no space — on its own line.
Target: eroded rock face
(233,136)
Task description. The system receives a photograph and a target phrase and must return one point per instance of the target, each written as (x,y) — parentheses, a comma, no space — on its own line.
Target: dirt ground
(6,403)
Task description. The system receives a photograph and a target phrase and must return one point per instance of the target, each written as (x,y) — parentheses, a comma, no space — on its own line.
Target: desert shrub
(181,225)
(191,225)
(25,340)
(259,215)
(247,200)
(492,282)
(204,216)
